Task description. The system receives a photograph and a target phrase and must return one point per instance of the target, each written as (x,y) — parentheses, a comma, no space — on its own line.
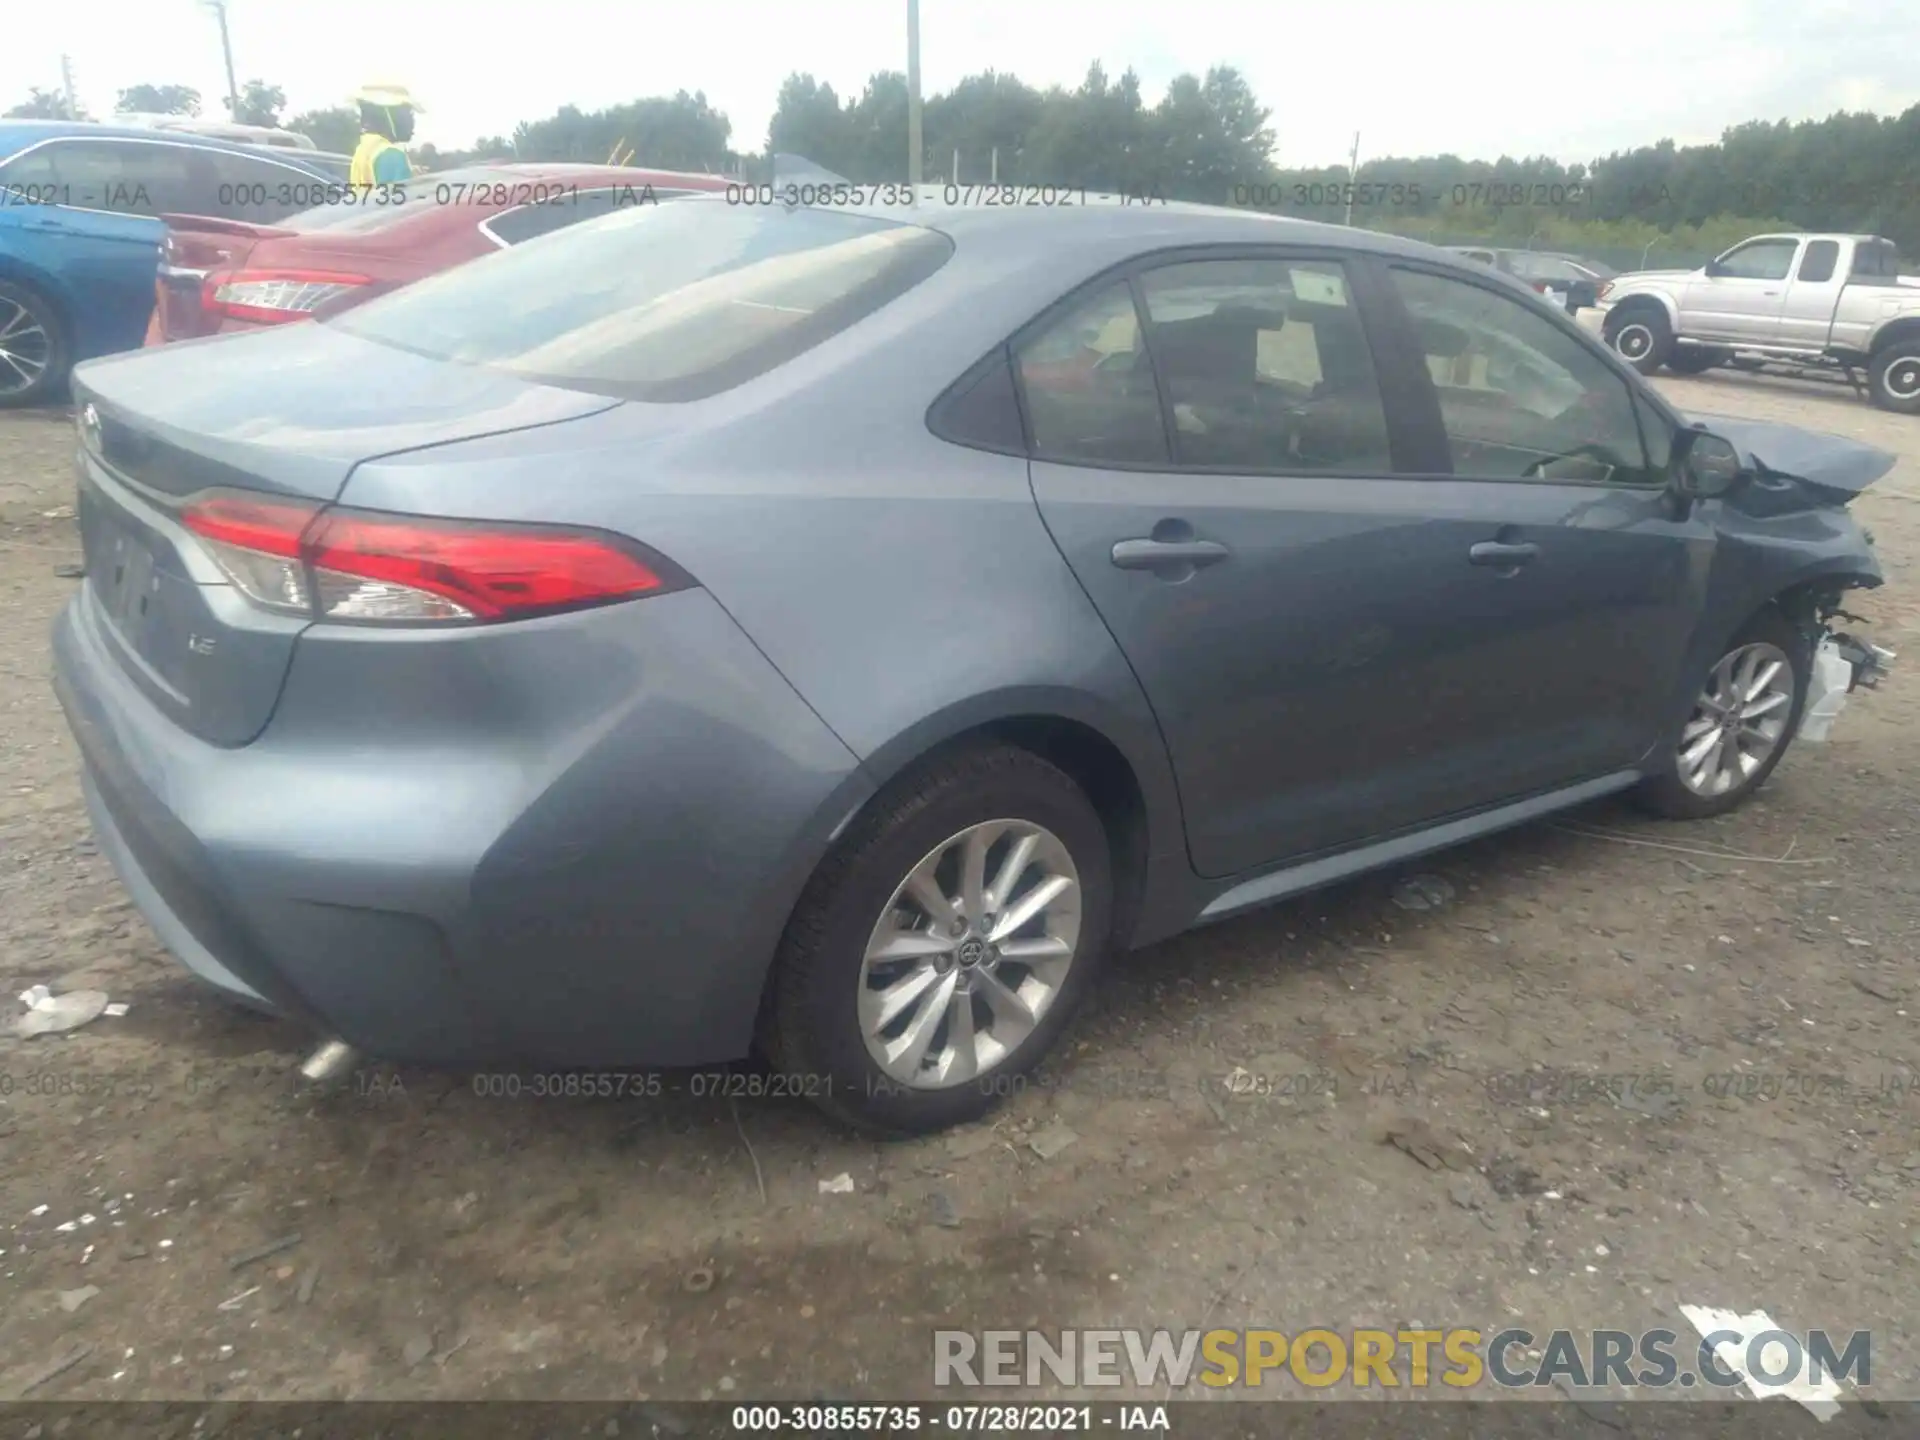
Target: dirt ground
(454,1245)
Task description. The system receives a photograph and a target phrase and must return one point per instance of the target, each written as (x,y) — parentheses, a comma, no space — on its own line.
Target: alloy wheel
(25,348)
(1739,720)
(970,954)
(1633,341)
(1902,379)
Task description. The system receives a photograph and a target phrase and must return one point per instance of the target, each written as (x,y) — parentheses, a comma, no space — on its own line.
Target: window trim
(171,144)
(1561,320)
(1403,438)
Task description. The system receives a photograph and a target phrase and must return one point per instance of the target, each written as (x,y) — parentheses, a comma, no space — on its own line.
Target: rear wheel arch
(1903,332)
(1085,752)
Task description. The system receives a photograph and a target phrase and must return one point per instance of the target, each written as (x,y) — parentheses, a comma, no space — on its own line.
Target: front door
(1339,638)
(1741,295)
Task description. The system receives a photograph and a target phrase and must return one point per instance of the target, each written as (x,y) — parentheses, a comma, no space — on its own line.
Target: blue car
(80,231)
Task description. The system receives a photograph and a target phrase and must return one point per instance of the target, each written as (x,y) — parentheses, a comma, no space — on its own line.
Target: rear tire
(34,355)
(1721,744)
(867,965)
(1641,337)
(1695,359)
(1893,378)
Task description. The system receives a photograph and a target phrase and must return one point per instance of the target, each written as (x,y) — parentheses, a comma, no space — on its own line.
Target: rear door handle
(1500,554)
(1165,554)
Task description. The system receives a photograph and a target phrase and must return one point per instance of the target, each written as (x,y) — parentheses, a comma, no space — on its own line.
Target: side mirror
(1705,465)
(1713,269)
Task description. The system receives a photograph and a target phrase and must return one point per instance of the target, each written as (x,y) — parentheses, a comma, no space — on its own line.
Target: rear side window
(1818,263)
(1089,386)
(250,188)
(658,302)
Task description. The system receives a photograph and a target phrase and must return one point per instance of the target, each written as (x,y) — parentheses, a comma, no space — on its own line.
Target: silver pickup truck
(1825,304)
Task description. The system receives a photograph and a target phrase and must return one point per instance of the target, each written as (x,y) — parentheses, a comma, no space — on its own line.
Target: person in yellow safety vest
(386,123)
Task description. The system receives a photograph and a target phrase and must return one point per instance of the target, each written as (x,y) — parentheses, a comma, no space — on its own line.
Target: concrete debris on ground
(1422,892)
(1052,1140)
(841,1184)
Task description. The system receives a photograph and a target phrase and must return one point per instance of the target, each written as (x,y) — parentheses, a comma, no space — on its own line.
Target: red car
(219,275)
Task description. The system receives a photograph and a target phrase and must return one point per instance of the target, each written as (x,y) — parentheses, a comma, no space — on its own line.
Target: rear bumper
(593,874)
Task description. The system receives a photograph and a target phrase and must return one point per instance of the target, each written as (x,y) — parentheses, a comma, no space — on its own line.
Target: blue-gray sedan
(829,630)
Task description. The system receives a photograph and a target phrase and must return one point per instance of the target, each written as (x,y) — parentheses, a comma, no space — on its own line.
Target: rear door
(1812,294)
(103,239)
(1741,295)
(1244,462)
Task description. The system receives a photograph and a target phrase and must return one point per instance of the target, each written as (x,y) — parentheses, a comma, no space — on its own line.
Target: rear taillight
(269,297)
(359,565)
(1539,288)
(1606,289)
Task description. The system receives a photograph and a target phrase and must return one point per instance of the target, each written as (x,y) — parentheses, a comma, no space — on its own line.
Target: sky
(1574,79)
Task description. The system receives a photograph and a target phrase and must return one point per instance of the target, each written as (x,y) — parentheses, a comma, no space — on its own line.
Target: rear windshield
(658,302)
(390,203)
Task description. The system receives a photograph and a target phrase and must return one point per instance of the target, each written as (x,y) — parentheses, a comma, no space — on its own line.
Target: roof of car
(1103,216)
(17,135)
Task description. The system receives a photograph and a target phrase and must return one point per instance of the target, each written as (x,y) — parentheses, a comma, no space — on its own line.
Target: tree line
(1208,138)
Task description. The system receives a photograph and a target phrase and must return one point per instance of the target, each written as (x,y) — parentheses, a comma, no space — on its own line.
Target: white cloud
(1476,77)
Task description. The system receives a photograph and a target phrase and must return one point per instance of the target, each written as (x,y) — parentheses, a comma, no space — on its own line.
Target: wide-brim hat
(392,97)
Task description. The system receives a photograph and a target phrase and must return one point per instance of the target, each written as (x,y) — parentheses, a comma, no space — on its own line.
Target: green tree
(260,103)
(808,121)
(42,105)
(158,100)
(336,129)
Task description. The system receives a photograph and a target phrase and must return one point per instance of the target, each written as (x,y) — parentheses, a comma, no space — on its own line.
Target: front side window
(658,302)
(1758,260)
(1521,399)
(1089,387)
(1266,366)
(125,177)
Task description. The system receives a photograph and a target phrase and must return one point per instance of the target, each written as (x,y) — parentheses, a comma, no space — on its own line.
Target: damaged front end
(1787,532)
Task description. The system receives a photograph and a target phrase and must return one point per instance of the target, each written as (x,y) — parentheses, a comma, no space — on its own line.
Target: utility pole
(219,8)
(913,92)
(66,87)
(1353,170)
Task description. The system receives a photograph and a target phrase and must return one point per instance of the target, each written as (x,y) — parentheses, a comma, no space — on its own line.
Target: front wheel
(941,949)
(1641,337)
(1740,725)
(1893,378)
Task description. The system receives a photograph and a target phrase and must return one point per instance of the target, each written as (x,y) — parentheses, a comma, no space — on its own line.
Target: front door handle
(1165,554)
(1501,555)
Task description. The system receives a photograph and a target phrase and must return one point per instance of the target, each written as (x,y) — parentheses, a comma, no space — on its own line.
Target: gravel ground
(451,1245)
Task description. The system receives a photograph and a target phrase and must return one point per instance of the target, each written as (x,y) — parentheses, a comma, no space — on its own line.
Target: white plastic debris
(49,1014)
(841,1184)
(38,1211)
(1827,688)
(1821,1398)
(115,1010)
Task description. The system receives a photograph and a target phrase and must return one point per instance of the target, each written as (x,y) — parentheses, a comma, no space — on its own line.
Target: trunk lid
(284,412)
(192,246)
